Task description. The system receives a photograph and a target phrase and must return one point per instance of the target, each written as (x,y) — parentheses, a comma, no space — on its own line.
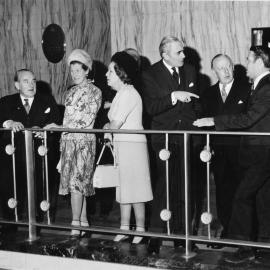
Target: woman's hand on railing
(52,125)
(58,166)
(106,126)
(107,105)
(38,134)
(108,138)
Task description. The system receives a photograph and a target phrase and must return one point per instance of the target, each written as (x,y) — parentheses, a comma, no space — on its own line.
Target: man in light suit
(25,109)
(169,90)
(250,219)
(225,159)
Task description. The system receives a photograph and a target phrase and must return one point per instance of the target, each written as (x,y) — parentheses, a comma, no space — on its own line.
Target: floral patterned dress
(78,149)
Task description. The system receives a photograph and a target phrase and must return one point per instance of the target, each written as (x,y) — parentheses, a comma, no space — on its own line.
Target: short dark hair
(219,55)
(262,52)
(84,67)
(19,72)
(122,74)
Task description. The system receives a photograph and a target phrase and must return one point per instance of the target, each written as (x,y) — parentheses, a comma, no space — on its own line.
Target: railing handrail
(146,131)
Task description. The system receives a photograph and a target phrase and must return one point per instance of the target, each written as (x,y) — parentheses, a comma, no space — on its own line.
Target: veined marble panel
(209,27)
(86,24)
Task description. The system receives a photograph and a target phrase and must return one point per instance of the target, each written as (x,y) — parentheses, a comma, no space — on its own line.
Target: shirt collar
(228,86)
(170,67)
(256,81)
(30,100)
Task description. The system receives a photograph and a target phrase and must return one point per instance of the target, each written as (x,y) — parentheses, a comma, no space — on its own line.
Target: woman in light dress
(131,149)
(78,150)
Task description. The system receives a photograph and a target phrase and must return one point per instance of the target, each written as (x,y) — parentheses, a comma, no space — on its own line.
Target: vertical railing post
(47,176)
(188,254)
(208,184)
(167,183)
(30,185)
(14,175)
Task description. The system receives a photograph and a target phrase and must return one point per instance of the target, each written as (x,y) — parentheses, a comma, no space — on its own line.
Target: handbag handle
(101,153)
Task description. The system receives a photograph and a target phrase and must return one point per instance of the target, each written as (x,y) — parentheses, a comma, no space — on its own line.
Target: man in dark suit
(250,219)
(225,160)
(26,109)
(168,90)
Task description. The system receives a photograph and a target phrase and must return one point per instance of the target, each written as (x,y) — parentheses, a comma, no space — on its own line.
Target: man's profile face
(223,68)
(252,65)
(174,54)
(26,84)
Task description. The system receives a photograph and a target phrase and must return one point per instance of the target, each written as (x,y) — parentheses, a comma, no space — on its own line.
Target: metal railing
(33,224)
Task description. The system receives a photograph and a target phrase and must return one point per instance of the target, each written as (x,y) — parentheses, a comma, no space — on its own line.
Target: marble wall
(86,24)
(103,27)
(208,27)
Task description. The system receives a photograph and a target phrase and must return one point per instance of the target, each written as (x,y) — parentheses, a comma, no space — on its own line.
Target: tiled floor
(98,248)
(102,248)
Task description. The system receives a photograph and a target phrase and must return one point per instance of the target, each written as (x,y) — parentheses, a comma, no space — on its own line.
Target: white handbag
(107,175)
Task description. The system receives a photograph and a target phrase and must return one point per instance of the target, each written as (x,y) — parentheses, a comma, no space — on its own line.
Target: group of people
(168,93)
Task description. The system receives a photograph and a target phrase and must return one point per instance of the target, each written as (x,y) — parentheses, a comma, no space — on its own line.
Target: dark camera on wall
(53,43)
(260,36)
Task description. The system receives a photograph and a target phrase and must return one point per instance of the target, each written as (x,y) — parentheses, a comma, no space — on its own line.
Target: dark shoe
(242,255)
(179,243)
(215,246)
(154,246)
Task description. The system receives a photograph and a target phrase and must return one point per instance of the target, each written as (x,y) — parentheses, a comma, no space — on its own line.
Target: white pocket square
(191,84)
(48,110)
(240,102)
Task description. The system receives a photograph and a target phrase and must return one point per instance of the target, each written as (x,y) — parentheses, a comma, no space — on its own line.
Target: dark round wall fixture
(53,43)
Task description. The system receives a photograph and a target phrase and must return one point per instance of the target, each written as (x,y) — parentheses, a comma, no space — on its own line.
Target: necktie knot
(26,105)
(175,75)
(223,92)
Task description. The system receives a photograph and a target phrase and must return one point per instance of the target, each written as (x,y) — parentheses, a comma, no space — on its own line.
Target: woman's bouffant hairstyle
(125,66)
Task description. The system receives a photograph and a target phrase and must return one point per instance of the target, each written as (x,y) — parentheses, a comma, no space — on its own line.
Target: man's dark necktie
(175,75)
(223,92)
(26,105)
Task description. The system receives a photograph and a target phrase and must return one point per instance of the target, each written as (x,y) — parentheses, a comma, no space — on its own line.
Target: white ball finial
(205,155)
(12,203)
(165,214)
(10,149)
(44,206)
(42,150)
(164,154)
(206,218)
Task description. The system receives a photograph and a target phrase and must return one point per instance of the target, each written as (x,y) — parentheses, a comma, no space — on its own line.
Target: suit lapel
(232,94)
(169,78)
(35,107)
(218,99)
(183,82)
(262,82)
(18,104)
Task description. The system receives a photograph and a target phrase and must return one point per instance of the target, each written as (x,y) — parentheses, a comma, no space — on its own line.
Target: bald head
(223,67)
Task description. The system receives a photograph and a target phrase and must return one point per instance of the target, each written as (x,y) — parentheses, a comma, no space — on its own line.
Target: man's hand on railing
(184,96)
(204,122)
(15,126)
